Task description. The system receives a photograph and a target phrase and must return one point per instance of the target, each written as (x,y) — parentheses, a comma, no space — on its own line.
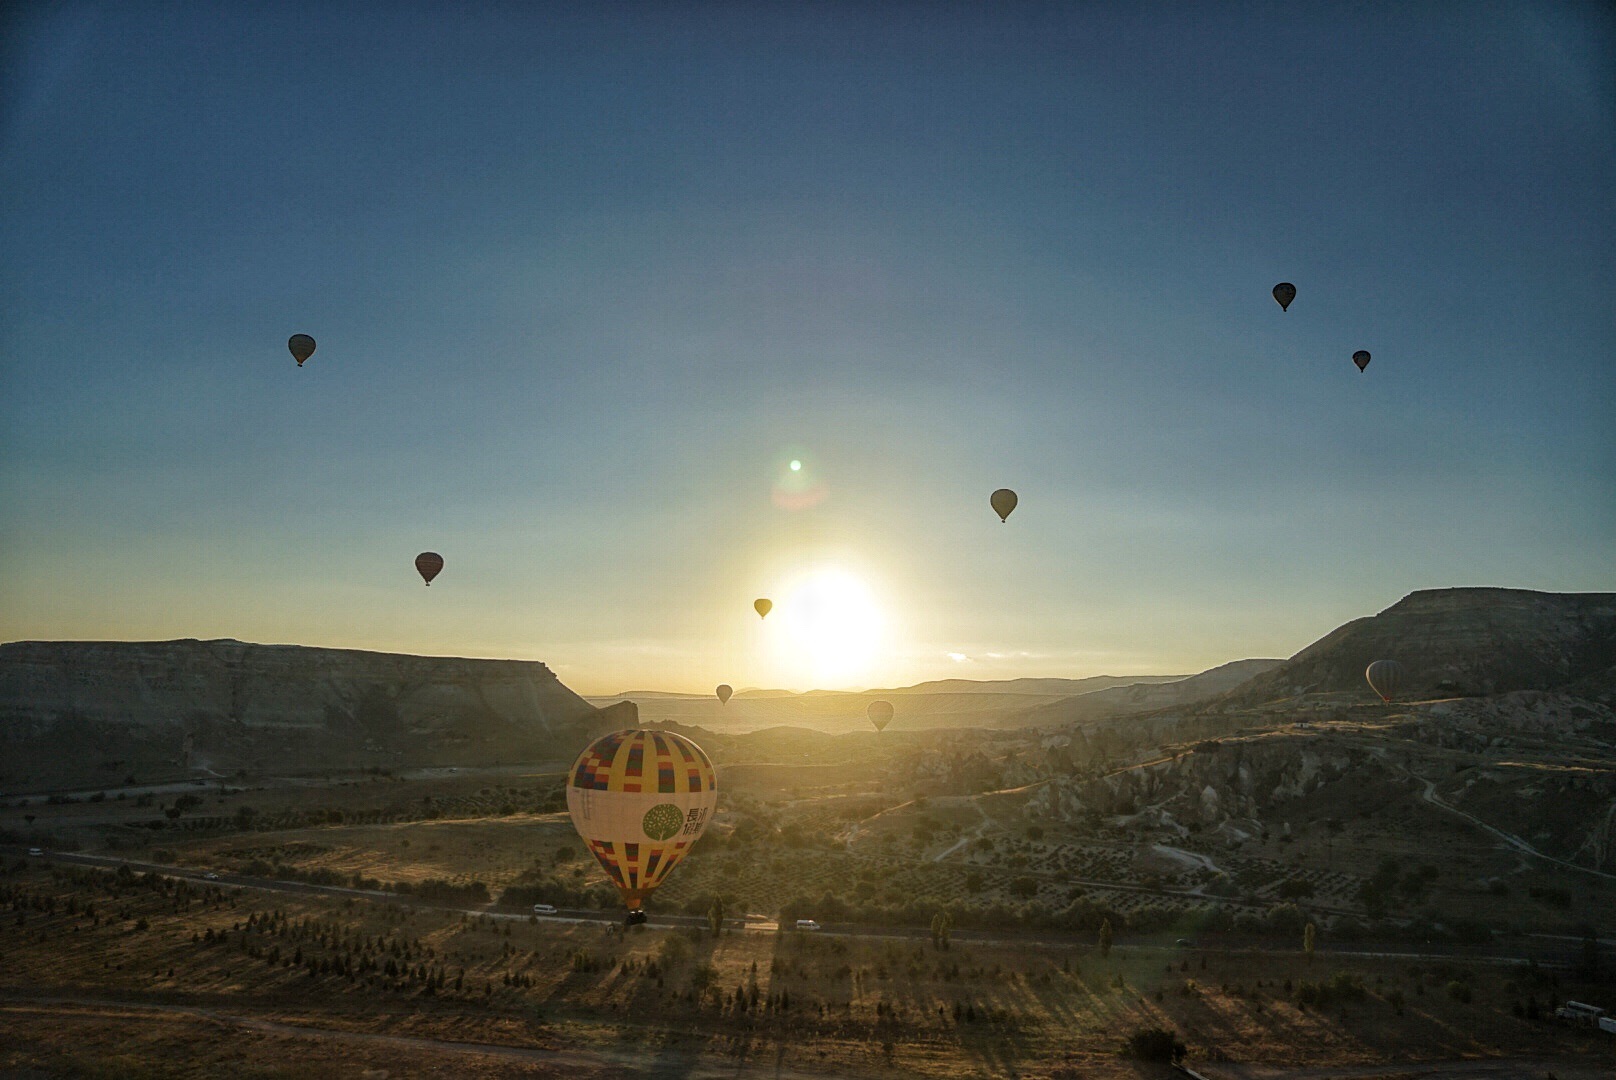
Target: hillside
(1457,643)
(71,711)
(1144,697)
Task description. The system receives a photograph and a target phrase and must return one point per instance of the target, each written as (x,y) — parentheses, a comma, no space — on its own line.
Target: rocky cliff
(1458,642)
(215,705)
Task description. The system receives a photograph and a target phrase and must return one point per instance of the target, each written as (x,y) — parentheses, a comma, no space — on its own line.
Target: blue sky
(585,278)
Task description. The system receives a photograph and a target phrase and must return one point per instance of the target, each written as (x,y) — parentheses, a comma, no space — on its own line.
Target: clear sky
(586,278)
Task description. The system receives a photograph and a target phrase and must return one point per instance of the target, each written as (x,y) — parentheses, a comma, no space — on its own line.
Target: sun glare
(831,628)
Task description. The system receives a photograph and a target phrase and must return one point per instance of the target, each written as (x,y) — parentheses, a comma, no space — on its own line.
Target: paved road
(1548,950)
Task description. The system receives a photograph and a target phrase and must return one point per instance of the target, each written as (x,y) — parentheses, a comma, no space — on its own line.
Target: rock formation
(237,705)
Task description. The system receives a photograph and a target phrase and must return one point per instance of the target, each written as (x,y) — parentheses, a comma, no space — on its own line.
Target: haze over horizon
(586,281)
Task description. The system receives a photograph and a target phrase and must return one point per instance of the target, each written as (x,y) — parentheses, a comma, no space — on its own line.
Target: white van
(544,909)
(807,924)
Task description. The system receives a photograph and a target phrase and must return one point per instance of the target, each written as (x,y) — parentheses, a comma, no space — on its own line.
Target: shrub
(1459,992)
(1295,889)
(1154,1044)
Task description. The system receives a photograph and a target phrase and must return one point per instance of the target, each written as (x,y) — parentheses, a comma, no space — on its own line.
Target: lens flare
(795,485)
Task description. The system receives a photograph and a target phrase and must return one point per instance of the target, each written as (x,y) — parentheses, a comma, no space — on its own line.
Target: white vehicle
(807,924)
(544,909)
(210,876)
(35,851)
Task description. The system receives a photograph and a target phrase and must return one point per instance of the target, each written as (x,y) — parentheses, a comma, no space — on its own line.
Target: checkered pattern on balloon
(640,799)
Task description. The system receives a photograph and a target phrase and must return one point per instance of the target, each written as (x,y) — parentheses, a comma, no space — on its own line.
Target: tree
(1105,938)
(1310,935)
(715,915)
(941,924)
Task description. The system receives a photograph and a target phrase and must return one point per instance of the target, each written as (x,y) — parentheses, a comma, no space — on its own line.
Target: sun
(831,627)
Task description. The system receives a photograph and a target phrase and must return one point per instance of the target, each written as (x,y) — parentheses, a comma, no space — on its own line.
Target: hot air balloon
(1385,678)
(1003,501)
(880,713)
(1284,292)
(429,564)
(762,607)
(640,799)
(1361,358)
(724,691)
(302,347)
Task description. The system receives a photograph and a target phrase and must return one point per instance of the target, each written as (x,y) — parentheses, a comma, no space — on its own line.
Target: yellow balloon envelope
(724,691)
(762,607)
(640,799)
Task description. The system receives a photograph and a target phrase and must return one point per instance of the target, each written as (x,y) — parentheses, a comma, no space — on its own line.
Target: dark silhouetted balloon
(302,347)
(429,564)
(1385,678)
(1004,501)
(762,607)
(1361,358)
(724,691)
(1284,292)
(880,713)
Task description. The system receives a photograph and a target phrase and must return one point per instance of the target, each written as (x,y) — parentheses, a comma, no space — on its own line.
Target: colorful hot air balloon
(1385,678)
(640,799)
(1003,501)
(880,713)
(428,564)
(1361,358)
(724,691)
(302,347)
(1284,292)
(762,607)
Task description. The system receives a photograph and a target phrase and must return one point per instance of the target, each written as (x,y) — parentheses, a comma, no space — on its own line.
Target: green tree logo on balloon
(662,821)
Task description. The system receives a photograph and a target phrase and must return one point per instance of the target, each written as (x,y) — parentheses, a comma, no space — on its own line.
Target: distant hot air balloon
(302,347)
(724,691)
(1361,358)
(880,713)
(1004,501)
(1284,292)
(640,799)
(762,607)
(1385,678)
(429,564)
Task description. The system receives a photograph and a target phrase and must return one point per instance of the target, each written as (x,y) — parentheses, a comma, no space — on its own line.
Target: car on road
(1185,943)
(35,851)
(544,909)
(210,876)
(807,924)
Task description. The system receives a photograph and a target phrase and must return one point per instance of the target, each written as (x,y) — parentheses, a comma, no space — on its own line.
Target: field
(110,973)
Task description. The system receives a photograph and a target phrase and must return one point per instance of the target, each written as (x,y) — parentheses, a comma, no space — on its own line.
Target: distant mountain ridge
(951,703)
(1145,697)
(1038,686)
